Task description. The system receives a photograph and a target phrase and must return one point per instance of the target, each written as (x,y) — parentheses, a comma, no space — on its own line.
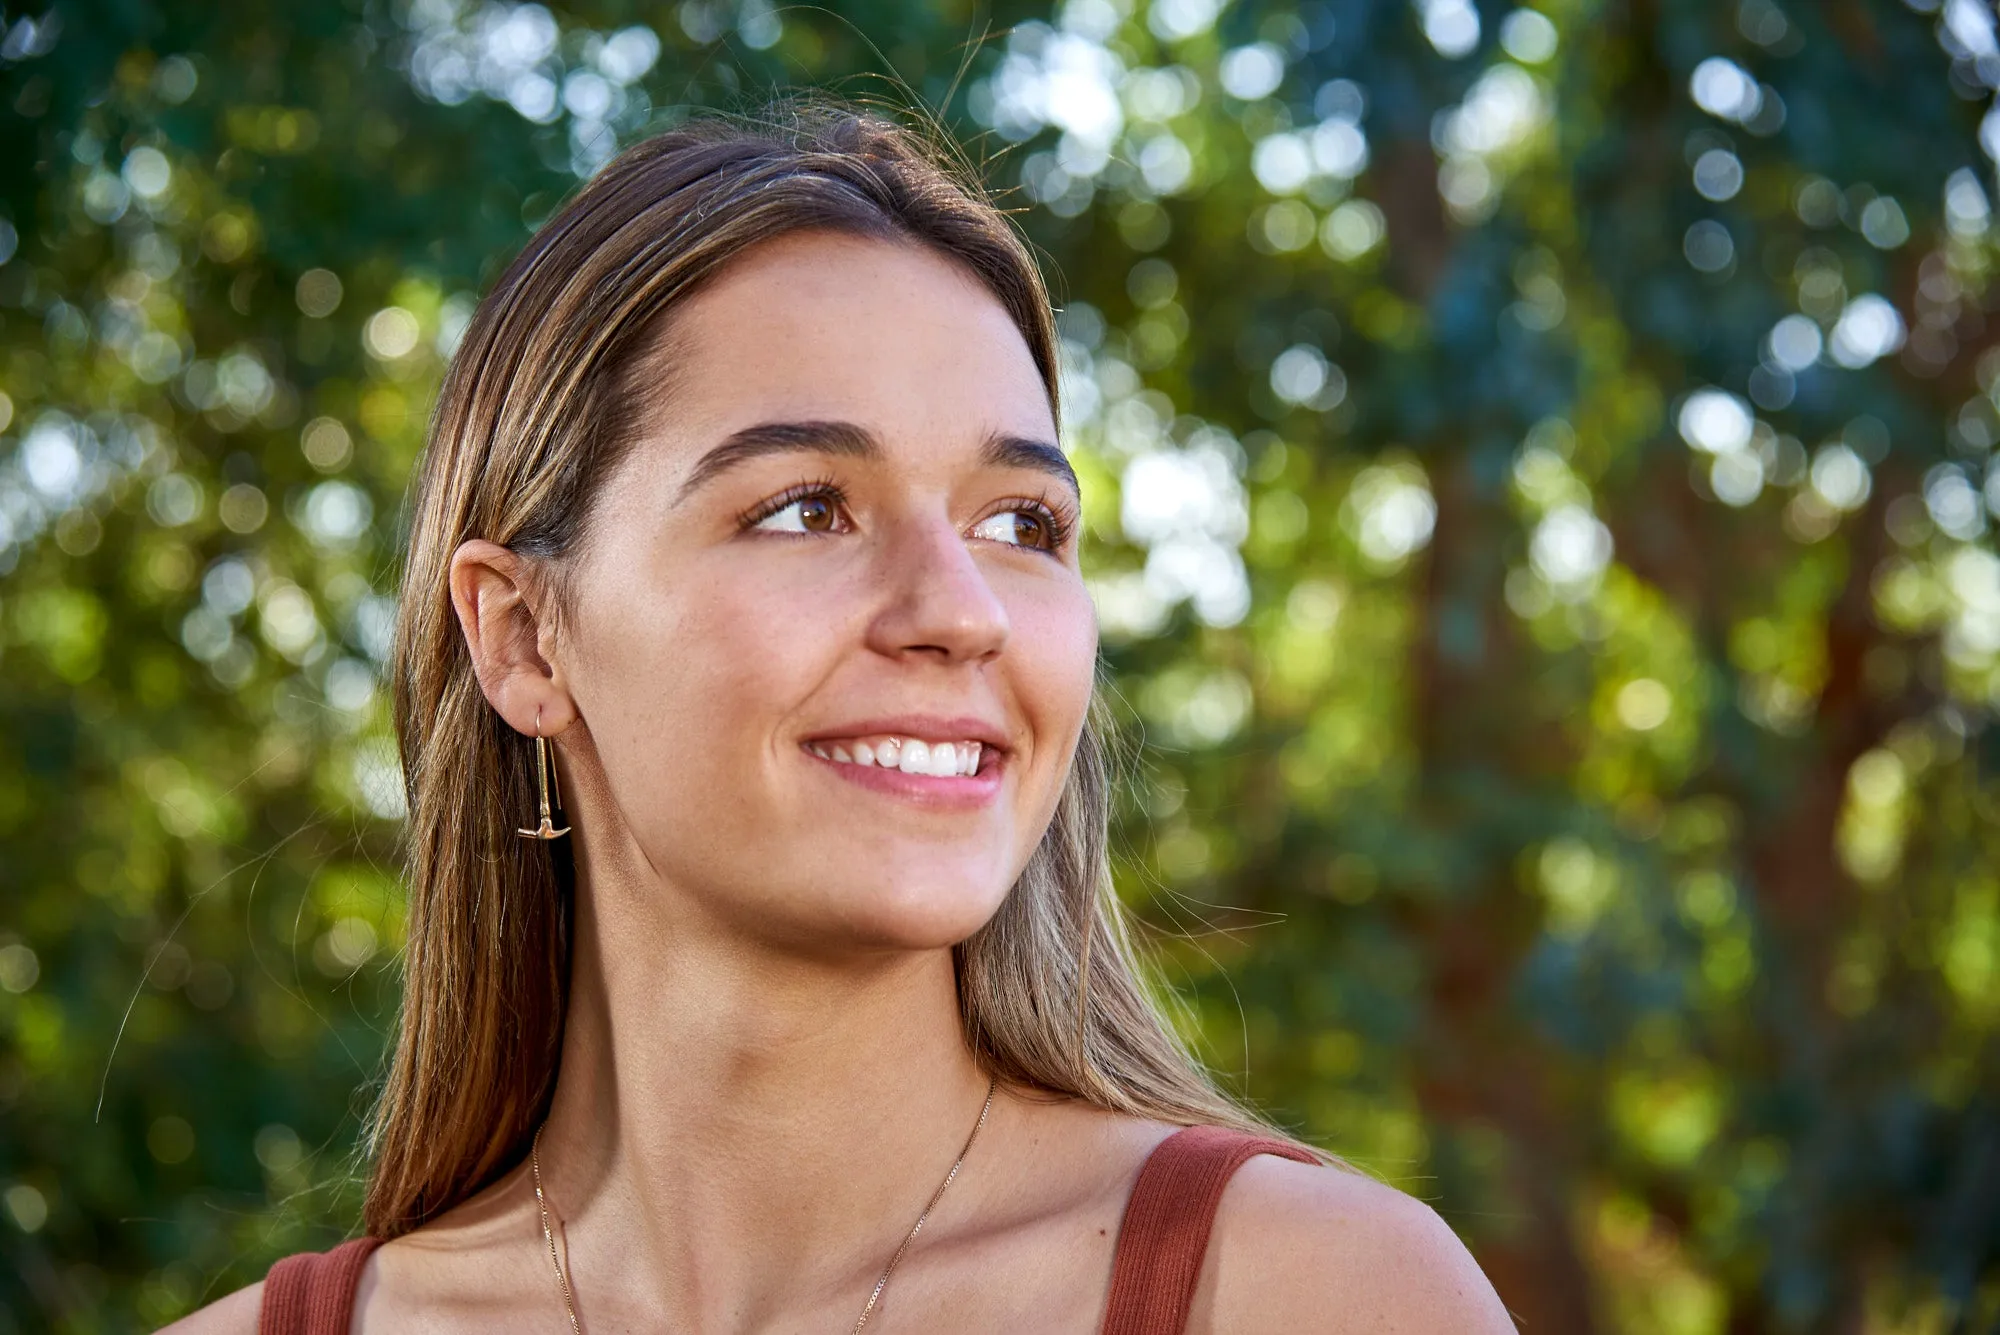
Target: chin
(926,907)
(825,892)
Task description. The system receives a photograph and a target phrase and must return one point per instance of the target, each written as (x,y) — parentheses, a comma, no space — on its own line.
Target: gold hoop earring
(545,779)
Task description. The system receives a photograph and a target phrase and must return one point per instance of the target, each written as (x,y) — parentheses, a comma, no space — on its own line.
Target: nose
(940,603)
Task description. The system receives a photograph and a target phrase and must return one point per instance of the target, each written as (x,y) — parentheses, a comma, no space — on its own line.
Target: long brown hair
(537,408)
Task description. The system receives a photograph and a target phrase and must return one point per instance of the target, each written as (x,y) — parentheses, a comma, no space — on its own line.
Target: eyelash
(804,491)
(1059,518)
(1061,522)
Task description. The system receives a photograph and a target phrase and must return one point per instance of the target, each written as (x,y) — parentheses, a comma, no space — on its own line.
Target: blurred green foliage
(1540,505)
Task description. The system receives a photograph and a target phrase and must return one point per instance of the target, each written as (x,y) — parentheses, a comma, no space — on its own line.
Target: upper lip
(929,727)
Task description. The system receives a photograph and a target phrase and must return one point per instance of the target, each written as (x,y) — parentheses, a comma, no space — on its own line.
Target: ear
(512,648)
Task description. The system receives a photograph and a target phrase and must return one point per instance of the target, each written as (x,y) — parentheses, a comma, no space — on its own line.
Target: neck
(745,1129)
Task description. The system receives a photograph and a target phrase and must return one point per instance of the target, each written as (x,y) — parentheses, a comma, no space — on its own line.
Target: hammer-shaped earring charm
(545,779)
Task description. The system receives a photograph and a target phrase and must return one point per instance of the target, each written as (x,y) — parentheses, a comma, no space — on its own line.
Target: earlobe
(492,594)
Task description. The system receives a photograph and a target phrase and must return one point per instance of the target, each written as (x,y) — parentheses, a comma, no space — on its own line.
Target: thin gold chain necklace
(874,1297)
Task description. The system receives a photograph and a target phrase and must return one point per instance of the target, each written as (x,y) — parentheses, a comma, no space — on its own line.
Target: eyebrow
(850,440)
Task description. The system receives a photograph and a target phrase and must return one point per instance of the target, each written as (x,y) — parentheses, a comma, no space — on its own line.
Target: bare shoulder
(233,1315)
(1295,1244)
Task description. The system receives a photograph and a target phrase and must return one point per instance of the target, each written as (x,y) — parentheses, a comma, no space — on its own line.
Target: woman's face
(828,639)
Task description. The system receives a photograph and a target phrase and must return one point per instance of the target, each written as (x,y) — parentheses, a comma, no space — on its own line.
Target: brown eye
(1018,528)
(817,515)
(815,512)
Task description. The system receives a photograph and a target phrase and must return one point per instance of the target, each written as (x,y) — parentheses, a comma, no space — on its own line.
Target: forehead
(822,326)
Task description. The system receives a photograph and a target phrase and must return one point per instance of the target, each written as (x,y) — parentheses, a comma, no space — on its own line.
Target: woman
(803,1004)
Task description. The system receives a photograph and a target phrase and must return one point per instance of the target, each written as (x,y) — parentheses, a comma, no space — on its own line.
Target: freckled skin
(700,655)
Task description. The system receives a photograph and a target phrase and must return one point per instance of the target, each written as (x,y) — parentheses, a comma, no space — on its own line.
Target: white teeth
(911,755)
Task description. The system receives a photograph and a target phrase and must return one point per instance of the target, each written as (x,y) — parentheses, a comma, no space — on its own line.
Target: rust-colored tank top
(1153,1273)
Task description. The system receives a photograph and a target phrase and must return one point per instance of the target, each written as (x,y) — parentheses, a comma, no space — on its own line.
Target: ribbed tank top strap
(313,1293)
(1167,1222)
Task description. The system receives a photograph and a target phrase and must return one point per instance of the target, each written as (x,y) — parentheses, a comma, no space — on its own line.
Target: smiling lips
(911,755)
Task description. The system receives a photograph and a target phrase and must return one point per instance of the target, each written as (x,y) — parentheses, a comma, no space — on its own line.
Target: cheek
(681,679)
(1054,647)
